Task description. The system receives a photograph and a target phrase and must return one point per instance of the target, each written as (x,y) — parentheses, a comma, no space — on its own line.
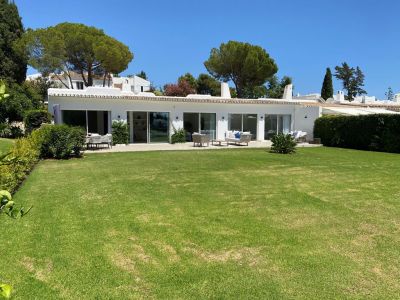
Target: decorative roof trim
(216,100)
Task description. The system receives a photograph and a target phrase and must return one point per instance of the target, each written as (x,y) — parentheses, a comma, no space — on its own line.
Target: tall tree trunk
(83,77)
(90,75)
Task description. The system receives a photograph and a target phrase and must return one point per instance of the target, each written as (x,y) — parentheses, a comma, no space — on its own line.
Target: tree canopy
(276,87)
(208,85)
(352,80)
(142,74)
(248,66)
(189,78)
(327,85)
(75,47)
(13,64)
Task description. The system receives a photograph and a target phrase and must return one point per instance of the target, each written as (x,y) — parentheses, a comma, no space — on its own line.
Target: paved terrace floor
(184,146)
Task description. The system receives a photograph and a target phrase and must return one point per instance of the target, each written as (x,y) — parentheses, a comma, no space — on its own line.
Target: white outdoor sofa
(244,137)
(94,140)
(299,136)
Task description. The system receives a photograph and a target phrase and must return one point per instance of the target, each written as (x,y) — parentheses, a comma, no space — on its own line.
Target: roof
(355,111)
(114,93)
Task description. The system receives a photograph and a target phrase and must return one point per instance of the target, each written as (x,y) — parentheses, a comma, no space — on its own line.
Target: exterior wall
(303,117)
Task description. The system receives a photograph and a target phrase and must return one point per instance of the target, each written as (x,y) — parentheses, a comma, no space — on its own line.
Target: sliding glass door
(204,123)
(275,124)
(148,127)
(208,124)
(159,127)
(243,123)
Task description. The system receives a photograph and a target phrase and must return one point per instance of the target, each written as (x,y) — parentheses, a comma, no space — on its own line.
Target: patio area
(185,146)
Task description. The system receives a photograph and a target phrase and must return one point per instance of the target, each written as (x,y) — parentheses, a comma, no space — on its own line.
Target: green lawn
(5,145)
(323,223)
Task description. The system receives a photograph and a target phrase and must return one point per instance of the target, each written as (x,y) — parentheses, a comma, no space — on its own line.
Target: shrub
(379,132)
(179,136)
(5,130)
(10,131)
(35,118)
(283,143)
(120,132)
(18,163)
(59,141)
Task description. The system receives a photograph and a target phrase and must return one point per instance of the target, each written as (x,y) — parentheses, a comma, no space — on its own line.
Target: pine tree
(327,86)
(13,65)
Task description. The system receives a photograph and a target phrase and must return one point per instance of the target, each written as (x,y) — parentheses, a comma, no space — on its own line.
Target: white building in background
(134,84)
(152,119)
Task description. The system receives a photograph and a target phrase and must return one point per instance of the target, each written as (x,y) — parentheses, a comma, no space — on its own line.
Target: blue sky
(169,38)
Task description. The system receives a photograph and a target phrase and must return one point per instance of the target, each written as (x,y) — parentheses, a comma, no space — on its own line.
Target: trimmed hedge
(60,141)
(14,168)
(50,141)
(378,132)
(35,118)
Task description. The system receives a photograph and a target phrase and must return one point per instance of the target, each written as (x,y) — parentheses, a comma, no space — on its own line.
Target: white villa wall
(302,116)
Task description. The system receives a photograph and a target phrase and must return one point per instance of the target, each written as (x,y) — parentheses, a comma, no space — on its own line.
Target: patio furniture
(200,139)
(218,142)
(238,137)
(96,140)
(299,136)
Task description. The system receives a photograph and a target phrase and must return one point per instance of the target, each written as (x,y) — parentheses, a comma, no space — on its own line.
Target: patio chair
(200,139)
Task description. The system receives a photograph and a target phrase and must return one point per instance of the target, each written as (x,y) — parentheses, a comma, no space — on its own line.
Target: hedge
(50,141)
(60,141)
(17,165)
(378,132)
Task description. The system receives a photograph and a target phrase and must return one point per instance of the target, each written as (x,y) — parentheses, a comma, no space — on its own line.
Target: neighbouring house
(152,119)
(133,84)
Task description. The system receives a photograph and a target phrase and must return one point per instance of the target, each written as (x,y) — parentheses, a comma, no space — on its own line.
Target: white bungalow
(152,119)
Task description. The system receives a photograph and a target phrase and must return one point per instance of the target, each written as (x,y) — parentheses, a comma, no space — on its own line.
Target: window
(141,89)
(244,123)
(276,124)
(79,85)
(91,121)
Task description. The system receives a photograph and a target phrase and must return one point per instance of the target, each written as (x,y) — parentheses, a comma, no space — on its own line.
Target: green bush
(120,132)
(283,143)
(179,136)
(60,141)
(10,131)
(379,132)
(35,118)
(18,163)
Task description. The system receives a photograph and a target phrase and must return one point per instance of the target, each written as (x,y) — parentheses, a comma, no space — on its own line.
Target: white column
(222,125)
(261,126)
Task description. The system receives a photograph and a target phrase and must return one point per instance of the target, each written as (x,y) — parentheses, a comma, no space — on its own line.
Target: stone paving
(185,146)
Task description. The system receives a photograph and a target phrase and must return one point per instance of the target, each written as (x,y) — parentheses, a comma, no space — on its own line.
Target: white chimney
(288,93)
(340,96)
(225,92)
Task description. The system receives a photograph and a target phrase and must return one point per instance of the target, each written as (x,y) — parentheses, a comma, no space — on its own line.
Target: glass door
(190,124)
(208,124)
(159,127)
(139,126)
(250,125)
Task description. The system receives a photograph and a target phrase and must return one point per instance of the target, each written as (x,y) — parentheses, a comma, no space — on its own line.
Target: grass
(323,223)
(5,145)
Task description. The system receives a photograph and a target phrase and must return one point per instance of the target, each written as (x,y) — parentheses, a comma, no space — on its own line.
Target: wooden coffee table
(218,142)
